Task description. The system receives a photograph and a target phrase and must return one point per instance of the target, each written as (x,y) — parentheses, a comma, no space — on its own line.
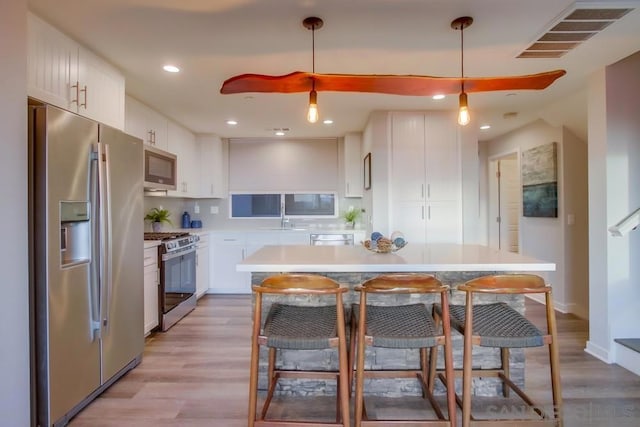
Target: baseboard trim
(598,352)
(572,308)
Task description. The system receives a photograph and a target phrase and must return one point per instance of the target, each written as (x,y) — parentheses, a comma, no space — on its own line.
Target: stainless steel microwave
(160,169)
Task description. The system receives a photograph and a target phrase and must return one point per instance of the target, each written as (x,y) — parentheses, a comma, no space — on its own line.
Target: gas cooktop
(168,235)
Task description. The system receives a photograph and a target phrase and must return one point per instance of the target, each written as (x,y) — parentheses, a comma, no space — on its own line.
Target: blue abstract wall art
(540,181)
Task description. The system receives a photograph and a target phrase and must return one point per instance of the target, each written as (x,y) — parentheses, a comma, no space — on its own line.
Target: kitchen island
(351,265)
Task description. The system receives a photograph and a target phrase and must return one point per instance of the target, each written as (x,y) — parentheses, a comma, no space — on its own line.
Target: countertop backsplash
(201,209)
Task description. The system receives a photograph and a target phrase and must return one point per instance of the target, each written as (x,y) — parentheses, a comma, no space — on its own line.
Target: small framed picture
(367,171)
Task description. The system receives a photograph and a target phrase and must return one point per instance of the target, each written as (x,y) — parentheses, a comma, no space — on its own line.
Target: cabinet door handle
(422,214)
(85,97)
(422,191)
(428,191)
(77,88)
(429,213)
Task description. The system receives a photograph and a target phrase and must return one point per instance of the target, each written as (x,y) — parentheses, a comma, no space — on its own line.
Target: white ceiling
(212,40)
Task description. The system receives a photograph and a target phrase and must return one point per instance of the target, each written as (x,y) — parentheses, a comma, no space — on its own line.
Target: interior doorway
(504,202)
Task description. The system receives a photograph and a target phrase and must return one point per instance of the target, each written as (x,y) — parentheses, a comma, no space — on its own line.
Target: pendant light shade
(312,23)
(312,114)
(463,110)
(463,104)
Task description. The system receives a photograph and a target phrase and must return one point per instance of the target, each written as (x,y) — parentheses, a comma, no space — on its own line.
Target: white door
(510,205)
(504,203)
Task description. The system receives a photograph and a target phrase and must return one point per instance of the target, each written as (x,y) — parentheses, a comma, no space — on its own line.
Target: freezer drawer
(331,239)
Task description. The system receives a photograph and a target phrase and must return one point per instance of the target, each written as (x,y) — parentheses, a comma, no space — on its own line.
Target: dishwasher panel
(331,239)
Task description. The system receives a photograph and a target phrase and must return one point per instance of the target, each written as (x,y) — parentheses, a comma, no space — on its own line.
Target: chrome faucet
(284,222)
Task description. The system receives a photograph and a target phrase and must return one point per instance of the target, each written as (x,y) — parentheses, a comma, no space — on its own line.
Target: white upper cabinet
(146,124)
(352,158)
(213,182)
(182,143)
(61,72)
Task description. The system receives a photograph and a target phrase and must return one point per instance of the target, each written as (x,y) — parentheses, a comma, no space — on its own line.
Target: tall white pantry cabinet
(425,180)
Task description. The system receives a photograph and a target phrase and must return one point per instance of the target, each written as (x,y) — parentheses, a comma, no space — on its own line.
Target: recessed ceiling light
(232,122)
(485,127)
(171,69)
(437,97)
(280,133)
(328,122)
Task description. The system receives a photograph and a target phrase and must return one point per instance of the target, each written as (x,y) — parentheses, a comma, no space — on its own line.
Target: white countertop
(412,258)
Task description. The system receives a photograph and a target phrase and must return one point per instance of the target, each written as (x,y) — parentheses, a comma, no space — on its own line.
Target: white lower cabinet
(227,250)
(151,282)
(202,265)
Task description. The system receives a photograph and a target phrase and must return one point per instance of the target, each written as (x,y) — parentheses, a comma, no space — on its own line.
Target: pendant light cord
(313,56)
(462,57)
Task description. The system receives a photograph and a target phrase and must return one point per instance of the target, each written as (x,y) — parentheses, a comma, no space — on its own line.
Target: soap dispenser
(186,220)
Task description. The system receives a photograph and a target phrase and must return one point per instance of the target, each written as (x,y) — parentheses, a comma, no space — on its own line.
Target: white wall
(614,168)
(14,316)
(283,165)
(598,343)
(547,238)
(576,223)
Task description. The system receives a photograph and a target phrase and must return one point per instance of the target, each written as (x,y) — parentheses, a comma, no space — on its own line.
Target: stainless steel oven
(177,290)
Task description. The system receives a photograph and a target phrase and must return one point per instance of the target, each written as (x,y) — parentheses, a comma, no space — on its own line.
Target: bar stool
(408,326)
(298,327)
(498,325)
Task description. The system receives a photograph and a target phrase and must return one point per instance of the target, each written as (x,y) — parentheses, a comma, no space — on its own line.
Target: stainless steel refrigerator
(86,234)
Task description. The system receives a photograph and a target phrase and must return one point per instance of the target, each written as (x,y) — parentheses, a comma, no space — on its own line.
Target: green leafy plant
(351,215)
(158,215)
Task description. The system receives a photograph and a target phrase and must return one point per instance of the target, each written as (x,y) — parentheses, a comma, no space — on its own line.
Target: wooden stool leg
(272,366)
(352,350)
(504,360)
(360,364)
(433,356)
(254,364)
(450,378)
(554,361)
(343,392)
(466,371)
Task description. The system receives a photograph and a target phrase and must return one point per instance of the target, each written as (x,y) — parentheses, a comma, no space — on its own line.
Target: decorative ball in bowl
(380,244)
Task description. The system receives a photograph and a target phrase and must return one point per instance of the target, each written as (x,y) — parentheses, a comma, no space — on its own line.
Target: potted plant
(350,216)
(157,217)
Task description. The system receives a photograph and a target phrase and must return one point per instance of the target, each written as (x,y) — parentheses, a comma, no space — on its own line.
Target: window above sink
(285,204)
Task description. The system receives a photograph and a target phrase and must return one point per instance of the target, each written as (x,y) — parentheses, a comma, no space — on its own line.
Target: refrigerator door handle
(94,282)
(104,183)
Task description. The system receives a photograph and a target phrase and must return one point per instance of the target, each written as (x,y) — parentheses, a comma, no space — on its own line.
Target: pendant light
(463,105)
(312,23)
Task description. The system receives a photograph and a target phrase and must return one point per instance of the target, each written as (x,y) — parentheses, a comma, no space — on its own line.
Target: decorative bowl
(382,246)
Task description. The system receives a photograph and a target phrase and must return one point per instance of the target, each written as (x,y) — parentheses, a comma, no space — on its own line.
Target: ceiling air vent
(570,31)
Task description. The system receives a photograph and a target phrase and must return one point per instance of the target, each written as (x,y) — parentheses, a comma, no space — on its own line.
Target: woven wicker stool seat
(409,326)
(402,326)
(299,327)
(498,325)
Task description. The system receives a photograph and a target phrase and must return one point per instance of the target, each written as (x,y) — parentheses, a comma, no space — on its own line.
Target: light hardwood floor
(196,375)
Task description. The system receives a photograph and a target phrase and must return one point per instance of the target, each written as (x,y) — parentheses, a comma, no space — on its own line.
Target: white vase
(156,227)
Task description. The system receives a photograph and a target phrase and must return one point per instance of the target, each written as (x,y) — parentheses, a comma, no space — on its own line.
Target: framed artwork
(367,171)
(540,181)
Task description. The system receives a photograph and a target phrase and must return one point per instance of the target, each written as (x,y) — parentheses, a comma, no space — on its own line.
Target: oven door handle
(176,254)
